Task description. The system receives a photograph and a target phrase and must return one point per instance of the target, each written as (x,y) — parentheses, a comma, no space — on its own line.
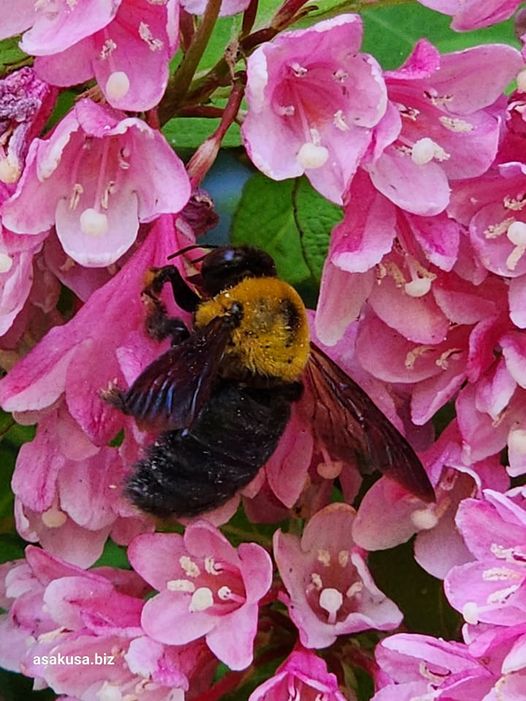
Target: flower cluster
(422,302)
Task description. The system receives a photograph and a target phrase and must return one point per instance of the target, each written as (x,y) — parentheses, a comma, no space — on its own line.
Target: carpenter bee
(221,396)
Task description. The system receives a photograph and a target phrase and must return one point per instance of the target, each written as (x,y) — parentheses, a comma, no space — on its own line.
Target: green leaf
(265,219)
(11,547)
(419,595)
(10,53)
(315,218)
(190,132)
(391,32)
(16,687)
(113,555)
(225,30)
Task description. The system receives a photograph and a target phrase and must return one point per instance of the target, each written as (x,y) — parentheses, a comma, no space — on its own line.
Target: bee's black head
(228,265)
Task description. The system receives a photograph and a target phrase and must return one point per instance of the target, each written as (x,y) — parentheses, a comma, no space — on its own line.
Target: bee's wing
(349,423)
(172,390)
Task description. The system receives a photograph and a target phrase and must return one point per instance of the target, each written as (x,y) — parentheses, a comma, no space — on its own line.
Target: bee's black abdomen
(187,472)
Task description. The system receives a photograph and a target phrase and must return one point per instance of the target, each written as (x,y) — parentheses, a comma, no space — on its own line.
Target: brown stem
(183,77)
(249,17)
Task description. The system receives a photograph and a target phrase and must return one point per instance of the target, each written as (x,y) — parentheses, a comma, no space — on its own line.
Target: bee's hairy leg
(184,296)
(159,325)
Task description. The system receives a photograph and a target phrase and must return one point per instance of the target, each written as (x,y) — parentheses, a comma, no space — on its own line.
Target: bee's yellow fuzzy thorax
(273,337)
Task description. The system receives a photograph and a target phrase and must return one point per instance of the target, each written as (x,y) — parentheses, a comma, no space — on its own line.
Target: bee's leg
(158,324)
(184,296)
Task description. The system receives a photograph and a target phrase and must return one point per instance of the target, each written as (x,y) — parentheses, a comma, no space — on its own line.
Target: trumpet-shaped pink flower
(303,675)
(388,515)
(53,26)
(313,100)
(473,14)
(88,179)
(67,617)
(330,589)
(442,123)
(129,56)
(64,361)
(206,588)
(69,492)
(419,666)
(492,589)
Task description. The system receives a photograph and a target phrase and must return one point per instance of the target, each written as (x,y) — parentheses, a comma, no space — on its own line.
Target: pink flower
(302,675)
(59,382)
(313,99)
(228,7)
(388,515)
(493,588)
(64,613)
(88,179)
(54,26)
(25,105)
(419,666)
(64,361)
(206,588)
(16,274)
(69,492)
(330,589)
(129,56)
(473,14)
(441,124)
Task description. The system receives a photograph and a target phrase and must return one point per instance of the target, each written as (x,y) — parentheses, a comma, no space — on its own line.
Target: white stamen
(340,75)
(424,519)
(75,195)
(312,156)
(517,440)
(54,517)
(298,70)
(211,566)
(500,574)
(339,121)
(521,81)
(93,223)
(147,36)
(286,110)
(324,557)
(502,595)
(6,263)
(202,599)
(9,170)
(108,48)
(224,593)
(495,230)
(413,355)
(460,126)
(117,85)
(418,287)
(180,585)
(517,233)
(354,589)
(331,600)
(189,566)
(315,578)
(425,150)
(515,204)
(515,256)
(343,558)
(470,611)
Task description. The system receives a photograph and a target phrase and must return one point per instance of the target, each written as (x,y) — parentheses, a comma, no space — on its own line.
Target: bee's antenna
(181,251)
